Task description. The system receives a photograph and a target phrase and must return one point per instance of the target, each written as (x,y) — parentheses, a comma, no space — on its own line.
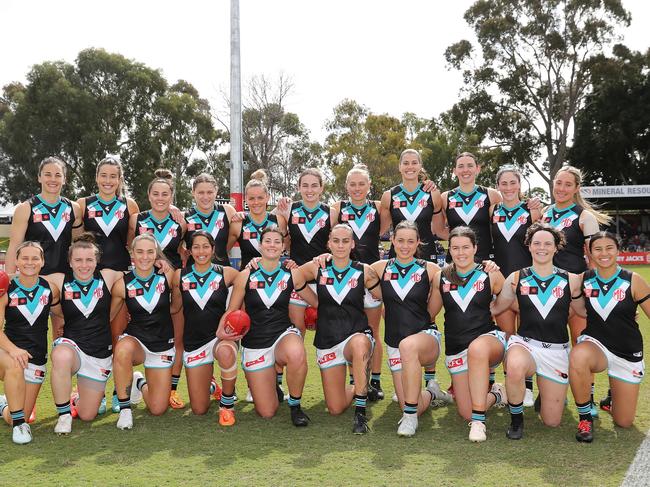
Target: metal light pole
(236,152)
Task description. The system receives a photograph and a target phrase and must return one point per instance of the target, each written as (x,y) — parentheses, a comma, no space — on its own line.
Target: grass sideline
(179,448)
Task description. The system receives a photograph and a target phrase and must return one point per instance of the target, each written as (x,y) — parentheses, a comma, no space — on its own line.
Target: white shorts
(203,355)
(331,357)
(154,360)
(254,359)
(617,367)
(370,302)
(457,364)
(93,368)
(394,358)
(551,359)
(35,374)
(297,300)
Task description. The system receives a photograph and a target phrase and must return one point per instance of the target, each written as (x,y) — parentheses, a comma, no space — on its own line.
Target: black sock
(140,383)
(516,413)
(294,402)
(17,417)
(175,380)
(63,408)
(360,403)
(529,383)
(584,411)
(375,379)
(124,402)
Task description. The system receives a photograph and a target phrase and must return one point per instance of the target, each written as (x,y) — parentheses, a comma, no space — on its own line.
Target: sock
(175,380)
(478,416)
(227,401)
(375,379)
(125,403)
(516,413)
(213,387)
(584,411)
(114,392)
(360,404)
(2,409)
(351,380)
(497,396)
(429,375)
(63,408)
(593,389)
(410,408)
(492,377)
(294,402)
(141,382)
(278,378)
(17,417)
(529,383)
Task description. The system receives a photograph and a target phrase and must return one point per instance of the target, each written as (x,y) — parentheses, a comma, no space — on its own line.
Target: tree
(533,72)
(612,142)
(103,104)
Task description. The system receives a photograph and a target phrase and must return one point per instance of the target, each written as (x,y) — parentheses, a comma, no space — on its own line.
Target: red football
(4,283)
(311,315)
(237,323)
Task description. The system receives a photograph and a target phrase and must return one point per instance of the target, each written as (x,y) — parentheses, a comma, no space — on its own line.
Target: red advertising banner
(633,258)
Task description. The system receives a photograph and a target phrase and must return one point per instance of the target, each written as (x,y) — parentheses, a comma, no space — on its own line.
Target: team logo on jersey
(201,288)
(464,293)
(147,294)
(212,223)
(309,223)
(338,283)
(269,287)
(163,231)
(560,220)
(543,294)
(84,296)
(603,302)
(30,303)
(106,215)
(466,206)
(359,219)
(402,279)
(509,221)
(53,218)
(411,205)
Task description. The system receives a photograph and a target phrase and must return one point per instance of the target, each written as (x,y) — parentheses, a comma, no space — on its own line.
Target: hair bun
(260,175)
(164,174)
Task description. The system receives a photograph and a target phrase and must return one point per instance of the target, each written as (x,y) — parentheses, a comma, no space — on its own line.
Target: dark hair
(113,161)
(558,236)
(52,160)
(201,233)
(449,271)
(407,225)
(311,171)
(85,241)
(204,178)
(163,176)
(466,154)
(604,234)
(271,229)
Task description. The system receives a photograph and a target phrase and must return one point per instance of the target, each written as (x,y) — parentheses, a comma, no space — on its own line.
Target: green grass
(182,449)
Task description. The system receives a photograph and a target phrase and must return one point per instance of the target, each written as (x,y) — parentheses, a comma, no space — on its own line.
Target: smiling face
(405,243)
(604,252)
(83,262)
(410,167)
(358,186)
(29,261)
(466,170)
(160,197)
(108,180)
(565,187)
(271,245)
(310,189)
(52,179)
(201,250)
(204,195)
(341,242)
(462,251)
(257,200)
(509,186)
(542,247)
(144,255)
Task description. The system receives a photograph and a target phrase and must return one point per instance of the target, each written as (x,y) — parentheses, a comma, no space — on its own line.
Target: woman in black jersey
(47,218)
(272,341)
(364,217)
(24,310)
(248,231)
(612,340)
(202,289)
(412,339)
(542,294)
(343,336)
(159,222)
(149,336)
(473,343)
(308,224)
(84,346)
(208,215)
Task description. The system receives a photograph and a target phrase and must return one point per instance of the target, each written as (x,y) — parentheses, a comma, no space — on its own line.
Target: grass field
(181,449)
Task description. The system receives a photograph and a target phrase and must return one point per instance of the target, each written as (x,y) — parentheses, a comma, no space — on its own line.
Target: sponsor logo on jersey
(147,294)
(508,222)
(53,218)
(604,301)
(30,305)
(260,360)
(84,298)
(466,206)
(309,223)
(212,223)
(465,293)
(403,278)
(411,205)
(164,232)
(201,288)
(277,283)
(560,220)
(107,216)
(194,358)
(328,357)
(543,294)
(337,283)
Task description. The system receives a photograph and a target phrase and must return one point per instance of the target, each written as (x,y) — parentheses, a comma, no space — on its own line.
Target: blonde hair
(115,162)
(204,177)
(422,176)
(259,179)
(361,169)
(163,176)
(311,171)
(30,243)
(149,237)
(601,218)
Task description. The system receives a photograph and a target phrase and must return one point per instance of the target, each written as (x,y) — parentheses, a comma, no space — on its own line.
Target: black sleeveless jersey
(509,227)
(309,231)
(544,305)
(365,223)
(216,224)
(167,233)
(416,207)
(405,292)
(148,301)
(267,304)
(26,318)
(51,226)
(611,314)
(467,309)
(204,303)
(472,210)
(572,256)
(250,237)
(109,221)
(86,312)
(340,304)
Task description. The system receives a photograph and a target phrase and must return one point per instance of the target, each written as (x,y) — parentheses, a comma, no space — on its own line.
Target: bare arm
(577,297)
(435,299)
(117,297)
(507,296)
(378,268)
(17,235)
(385,219)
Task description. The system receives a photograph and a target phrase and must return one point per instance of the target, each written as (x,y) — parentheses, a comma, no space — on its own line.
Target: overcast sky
(387,55)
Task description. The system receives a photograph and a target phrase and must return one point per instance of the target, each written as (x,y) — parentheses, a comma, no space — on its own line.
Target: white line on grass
(639,474)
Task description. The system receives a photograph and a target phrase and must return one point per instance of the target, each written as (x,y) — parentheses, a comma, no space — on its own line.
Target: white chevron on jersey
(55,226)
(460,211)
(604,311)
(95,294)
(116,213)
(201,301)
(508,233)
(544,309)
(32,316)
(352,277)
(360,225)
(463,302)
(412,216)
(278,286)
(402,292)
(149,307)
(319,223)
(563,222)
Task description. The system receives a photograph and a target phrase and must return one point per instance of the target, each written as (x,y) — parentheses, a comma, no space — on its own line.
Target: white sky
(385,54)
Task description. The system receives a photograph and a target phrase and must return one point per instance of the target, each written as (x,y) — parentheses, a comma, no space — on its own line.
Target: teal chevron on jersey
(605,295)
(543,292)
(163,231)
(338,282)
(147,291)
(358,217)
(466,205)
(560,218)
(508,220)
(269,285)
(107,214)
(85,296)
(411,204)
(53,217)
(201,286)
(29,302)
(403,277)
(462,294)
(211,223)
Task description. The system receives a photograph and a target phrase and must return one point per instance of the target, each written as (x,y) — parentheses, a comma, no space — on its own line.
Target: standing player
(612,339)
(272,340)
(202,288)
(85,347)
(159,222)
(542,293)
(149,336)
(24,309)
(473,344)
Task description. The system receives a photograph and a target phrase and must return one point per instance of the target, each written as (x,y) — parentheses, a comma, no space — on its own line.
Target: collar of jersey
(404,266)
(58,200)
(618,271)
(465,274)
(197,273)
(419,186)
(517,206)
(196,208)
(83,283)
(532,271)
(306,208)
(268,273)
(344,269)
(156,219)
(104,202)
(460,191)
(258,225)
(362,207)
(17,281)
(570,207)
(143,279)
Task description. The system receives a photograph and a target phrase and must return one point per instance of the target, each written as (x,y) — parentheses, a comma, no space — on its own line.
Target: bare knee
(266,412)
(86,415)
(551,422)
(296,356)
(623,422)
(199,409)
(336,409)
(157,409)
(476,352)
